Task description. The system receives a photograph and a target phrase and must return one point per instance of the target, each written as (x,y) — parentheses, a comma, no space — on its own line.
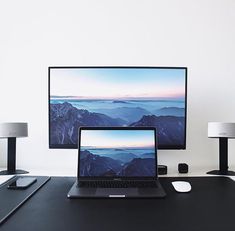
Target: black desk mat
(209,206)
(11,200)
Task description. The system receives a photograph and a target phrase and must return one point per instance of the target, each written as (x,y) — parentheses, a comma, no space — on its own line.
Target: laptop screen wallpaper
(121,153)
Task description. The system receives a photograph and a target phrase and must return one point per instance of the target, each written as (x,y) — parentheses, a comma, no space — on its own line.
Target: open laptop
(117,162)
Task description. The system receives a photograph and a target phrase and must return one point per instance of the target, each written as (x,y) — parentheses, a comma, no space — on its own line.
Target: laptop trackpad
(116,192)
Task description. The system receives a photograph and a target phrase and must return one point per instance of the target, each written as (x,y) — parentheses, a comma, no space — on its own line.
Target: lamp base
(218,172)
(17,171)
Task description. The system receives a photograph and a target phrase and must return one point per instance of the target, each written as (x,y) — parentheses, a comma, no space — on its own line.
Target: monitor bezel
(74,146)
(86,178)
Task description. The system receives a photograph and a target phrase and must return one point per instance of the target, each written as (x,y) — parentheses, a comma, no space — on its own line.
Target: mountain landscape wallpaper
(122,153)
(117,97)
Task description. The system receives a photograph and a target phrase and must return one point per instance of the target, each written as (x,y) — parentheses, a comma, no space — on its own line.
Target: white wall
(199,34)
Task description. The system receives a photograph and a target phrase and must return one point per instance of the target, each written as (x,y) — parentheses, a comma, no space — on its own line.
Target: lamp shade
(13,130)
(219,129)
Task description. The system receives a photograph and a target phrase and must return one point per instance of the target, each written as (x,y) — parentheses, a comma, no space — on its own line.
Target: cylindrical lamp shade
(218,129)
(13,130)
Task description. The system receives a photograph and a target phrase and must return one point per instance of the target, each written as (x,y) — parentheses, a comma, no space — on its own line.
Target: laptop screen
(117,152)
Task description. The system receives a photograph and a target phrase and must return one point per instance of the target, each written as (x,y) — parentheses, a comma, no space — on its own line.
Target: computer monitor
(117,96)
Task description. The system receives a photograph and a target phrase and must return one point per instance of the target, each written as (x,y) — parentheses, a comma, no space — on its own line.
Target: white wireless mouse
(181,186)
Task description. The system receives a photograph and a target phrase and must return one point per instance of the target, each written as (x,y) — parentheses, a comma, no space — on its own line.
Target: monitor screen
(117,96)
(117,153)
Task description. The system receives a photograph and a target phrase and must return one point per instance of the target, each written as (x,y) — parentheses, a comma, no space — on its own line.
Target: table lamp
(223,131)
(11,131)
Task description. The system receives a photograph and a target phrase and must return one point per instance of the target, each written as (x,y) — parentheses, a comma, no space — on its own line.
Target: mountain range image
(128,114)
(170,129)
(148,155)
(124,157)
(120,101)
(169,111)
(95,165)
(65,119)
(139,167)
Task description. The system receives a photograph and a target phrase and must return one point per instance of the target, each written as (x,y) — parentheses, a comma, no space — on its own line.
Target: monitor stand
(223,159)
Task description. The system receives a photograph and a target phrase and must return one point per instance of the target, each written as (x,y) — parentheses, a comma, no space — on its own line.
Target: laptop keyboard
(117,184)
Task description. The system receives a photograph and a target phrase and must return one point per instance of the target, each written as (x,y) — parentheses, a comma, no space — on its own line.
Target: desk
(209,206)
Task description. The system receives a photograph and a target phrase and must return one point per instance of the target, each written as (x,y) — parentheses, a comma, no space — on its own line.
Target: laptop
(117,162)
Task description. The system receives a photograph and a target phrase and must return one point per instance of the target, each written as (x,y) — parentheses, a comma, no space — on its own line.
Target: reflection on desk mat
(11,200)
